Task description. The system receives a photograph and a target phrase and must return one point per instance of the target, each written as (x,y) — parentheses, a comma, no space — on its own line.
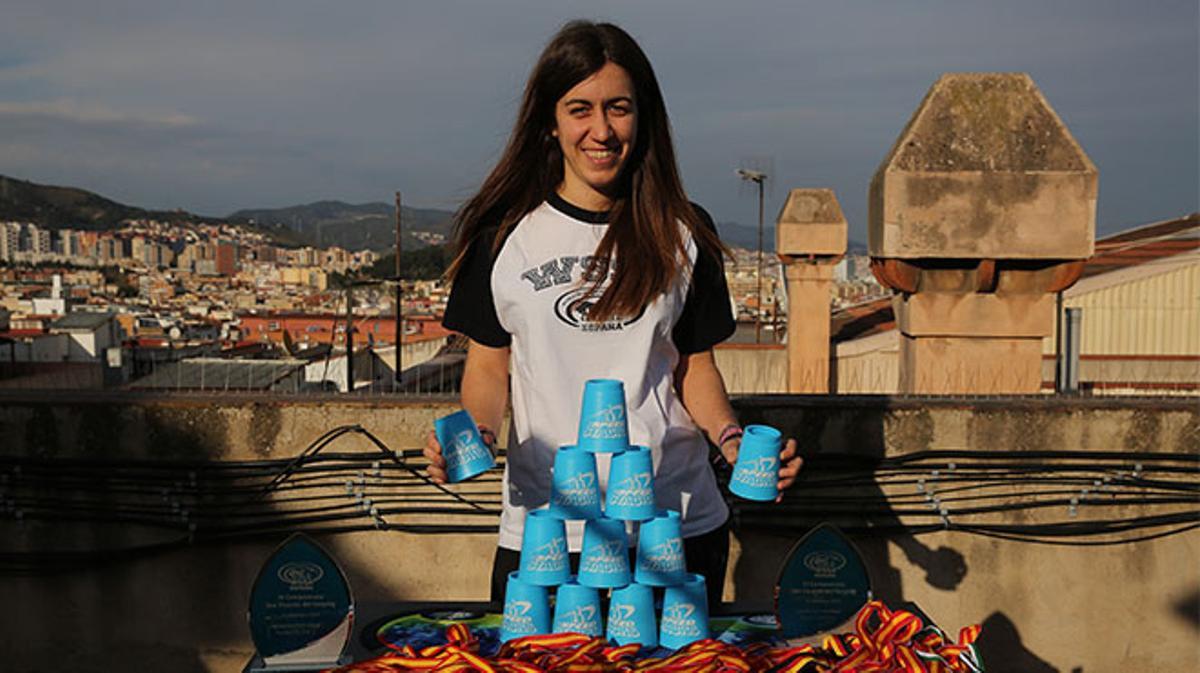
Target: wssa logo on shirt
(574,305)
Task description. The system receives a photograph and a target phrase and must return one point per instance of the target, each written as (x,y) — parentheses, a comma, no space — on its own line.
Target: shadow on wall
(1188,609)
(1001,649)
(825,434)
(151,599)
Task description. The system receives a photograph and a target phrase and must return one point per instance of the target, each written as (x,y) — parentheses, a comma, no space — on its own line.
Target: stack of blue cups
(544,564)
(604,561)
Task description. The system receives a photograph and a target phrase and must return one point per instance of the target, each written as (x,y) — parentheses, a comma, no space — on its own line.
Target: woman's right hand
(433,453)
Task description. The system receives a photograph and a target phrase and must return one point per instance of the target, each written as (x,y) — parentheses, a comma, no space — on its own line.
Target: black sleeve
(471,310)
(707,317)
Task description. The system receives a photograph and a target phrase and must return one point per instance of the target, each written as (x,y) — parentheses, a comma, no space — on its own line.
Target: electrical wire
(1099,496)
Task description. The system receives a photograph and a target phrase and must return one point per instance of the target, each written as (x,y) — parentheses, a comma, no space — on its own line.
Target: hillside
(354,226)
(56,207)
(426,263)
(320,224)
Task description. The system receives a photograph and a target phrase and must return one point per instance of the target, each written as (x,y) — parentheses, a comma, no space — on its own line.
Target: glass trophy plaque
(823,583)
(301,611)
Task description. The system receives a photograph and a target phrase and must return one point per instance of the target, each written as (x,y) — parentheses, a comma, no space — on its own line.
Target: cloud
(90,114)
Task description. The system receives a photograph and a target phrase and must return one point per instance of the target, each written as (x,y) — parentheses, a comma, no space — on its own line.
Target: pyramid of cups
(605,565)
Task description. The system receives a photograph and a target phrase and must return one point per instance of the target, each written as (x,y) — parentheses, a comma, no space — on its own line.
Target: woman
(589,176)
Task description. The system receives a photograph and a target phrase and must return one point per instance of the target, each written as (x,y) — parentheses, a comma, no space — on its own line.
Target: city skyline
(223,107)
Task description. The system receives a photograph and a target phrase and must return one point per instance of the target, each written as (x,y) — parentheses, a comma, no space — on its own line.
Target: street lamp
(399,300)
(757,177)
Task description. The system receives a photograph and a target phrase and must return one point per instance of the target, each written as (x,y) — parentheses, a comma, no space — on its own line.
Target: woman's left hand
(789,467)
(789,463)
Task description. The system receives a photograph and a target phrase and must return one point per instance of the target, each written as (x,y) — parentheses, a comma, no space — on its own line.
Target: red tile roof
(23,333)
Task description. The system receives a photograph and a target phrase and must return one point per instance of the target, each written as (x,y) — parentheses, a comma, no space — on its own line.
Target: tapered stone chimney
(810,238)
(983,209)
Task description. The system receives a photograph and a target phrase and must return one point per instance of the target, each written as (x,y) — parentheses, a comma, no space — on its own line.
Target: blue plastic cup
(756,473)
(544,558)
(577,610)
(526,609)
(574,488)
(684,613)
(631,616)
(463,448)
(660,559)
(630,494)
(603,427)
(604,562)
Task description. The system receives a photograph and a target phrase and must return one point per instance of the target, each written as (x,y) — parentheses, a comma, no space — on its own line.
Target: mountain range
(369,226)
(319,224)
(55,207)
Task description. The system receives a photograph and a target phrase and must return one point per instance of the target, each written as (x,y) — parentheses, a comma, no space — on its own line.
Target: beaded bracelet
(731,431)
(488,437)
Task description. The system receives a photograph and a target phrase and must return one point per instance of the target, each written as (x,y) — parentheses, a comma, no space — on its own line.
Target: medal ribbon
(884,641)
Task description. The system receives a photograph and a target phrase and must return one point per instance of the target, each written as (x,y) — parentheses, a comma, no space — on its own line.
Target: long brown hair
(643,236)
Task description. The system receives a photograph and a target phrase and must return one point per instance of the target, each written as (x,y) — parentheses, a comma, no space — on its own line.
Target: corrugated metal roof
(217,374)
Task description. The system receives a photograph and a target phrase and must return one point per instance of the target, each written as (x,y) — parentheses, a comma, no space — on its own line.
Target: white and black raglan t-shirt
(530,296)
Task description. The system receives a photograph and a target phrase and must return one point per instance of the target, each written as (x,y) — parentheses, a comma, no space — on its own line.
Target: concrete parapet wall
(750,368)
(1127,607)
(222,426)
(1149,374)
(1124,607)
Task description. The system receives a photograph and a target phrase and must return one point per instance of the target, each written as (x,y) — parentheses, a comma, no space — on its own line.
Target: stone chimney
(810,238)
(984,208)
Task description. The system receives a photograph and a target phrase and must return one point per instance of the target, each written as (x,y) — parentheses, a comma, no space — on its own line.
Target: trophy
(301,611)
(822,584)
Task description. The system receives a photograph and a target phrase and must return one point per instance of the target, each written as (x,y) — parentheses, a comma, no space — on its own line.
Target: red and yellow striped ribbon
(883,641)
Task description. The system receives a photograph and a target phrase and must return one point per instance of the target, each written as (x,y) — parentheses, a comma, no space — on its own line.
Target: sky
(221,105)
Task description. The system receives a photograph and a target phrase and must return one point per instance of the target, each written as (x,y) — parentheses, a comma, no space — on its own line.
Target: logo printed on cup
(582,619)
(463,449)
(580,491)
(517,617)
(607,557)
(680,620)
(665,557)
(550,556)
(633,491)
(760,473)
(607,423)
(621,624)
(468,450)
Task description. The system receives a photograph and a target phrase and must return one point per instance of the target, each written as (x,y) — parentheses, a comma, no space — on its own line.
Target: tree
(425,263)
